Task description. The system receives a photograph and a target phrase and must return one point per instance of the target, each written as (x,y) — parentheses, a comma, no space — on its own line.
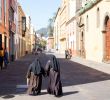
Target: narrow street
(78,30)
(79,82)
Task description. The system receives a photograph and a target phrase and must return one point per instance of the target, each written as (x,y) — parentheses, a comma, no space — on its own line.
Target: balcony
(12,27)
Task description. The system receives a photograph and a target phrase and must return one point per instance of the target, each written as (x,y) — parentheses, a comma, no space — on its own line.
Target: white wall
(94,36)
(72,8)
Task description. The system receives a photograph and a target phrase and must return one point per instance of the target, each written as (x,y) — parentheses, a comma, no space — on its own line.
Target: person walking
(1,57)
(6,61)
(34,77)
(66,54)
(52,70)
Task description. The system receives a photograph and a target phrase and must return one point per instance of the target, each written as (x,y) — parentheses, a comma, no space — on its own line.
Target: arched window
(106,20)
(98,17)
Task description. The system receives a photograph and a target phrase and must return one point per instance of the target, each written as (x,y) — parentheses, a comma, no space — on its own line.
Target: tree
(43,43)
(51,25)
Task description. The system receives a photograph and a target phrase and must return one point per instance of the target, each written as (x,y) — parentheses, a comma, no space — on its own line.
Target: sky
(40,11)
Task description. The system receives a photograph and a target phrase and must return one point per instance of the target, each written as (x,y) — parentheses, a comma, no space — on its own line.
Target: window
(11,14)
(0,40)
(87,23)
(5,42)
(98,17)
(0,10)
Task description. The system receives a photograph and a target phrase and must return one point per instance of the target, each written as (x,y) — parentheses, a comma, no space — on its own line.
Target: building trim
(88,6)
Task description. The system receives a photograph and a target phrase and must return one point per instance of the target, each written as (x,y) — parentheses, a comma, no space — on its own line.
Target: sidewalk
(104,67)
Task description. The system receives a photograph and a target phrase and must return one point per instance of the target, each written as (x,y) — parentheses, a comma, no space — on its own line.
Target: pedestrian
(53,72)
(6,61)
(66,54)
(34,78)
(1,57)
(43,59)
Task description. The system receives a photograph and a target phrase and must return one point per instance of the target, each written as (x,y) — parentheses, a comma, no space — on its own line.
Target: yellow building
(65,26)
(56,33)
(50,43)
(28,35)
(63,19)
(21,35)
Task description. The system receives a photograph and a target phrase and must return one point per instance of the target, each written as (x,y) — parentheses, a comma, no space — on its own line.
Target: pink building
(50,43)
(12,28)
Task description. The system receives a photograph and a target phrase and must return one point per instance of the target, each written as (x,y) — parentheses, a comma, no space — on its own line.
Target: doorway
(0,40)
(82,48)
(107,38)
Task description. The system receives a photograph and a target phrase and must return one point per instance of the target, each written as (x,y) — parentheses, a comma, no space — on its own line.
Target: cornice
(88,6)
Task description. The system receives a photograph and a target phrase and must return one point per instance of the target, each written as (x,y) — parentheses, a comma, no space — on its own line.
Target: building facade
(28,34)
(12,28)
(71,26)
(50,43)
(94,30)
(33,38)
(21,34)
(63,19)
(65,32)
(4,24)
(56,33)
(16,35)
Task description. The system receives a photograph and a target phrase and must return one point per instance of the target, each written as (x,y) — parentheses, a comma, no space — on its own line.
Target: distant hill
(42,31)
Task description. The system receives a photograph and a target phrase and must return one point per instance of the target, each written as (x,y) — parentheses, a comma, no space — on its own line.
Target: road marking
(21,86)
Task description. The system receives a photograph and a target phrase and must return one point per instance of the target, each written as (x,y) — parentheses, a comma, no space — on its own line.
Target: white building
(73,6)
(56,33)
(94,25)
